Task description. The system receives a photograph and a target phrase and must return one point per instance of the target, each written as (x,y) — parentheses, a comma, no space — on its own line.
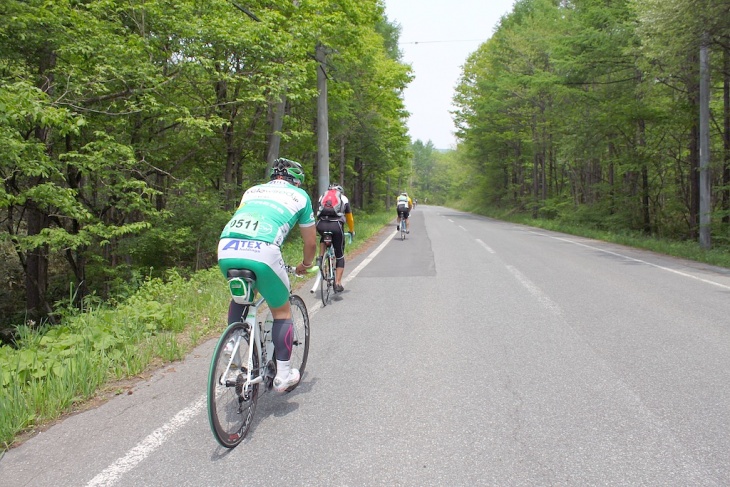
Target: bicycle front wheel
(231,404)
(300,346)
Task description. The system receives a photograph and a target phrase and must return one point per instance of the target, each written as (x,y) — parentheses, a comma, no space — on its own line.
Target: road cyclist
(252,240)
(404,205)
(333,212)
(325,281)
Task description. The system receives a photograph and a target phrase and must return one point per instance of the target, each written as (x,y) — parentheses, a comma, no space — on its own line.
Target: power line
(434,42)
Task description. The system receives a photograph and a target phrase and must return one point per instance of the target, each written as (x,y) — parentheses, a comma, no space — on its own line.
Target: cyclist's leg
(338,240)
(264,260)
(235,312)
(253,255)
(282,336)
(397,223)
(272,282)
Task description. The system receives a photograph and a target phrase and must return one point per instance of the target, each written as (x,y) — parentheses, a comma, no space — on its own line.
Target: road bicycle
(403,229)
(326,279)
(328,269)
(244,360)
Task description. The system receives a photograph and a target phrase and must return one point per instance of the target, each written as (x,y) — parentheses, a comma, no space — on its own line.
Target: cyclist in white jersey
(403,208)
(252,240)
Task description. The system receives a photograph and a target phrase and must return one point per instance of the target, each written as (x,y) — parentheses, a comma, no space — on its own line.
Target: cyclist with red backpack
(334,211)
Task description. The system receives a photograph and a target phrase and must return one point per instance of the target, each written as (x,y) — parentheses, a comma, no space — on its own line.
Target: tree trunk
(693,94)
(36,267)
(705,183)
(342,162)
(36,262)
(359,182)
(276,117)
(726,137)
(641,145)
(611,176)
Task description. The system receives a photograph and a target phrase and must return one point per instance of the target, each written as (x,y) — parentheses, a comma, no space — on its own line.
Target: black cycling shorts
(338,238)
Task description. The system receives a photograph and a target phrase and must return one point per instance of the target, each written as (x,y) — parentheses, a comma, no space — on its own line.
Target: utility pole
(323,136)
(705,194)
(277,124)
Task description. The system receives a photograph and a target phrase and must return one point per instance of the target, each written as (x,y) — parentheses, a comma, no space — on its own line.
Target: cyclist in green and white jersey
(252,240)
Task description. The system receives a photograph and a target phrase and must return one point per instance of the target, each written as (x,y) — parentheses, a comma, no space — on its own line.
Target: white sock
(282,368)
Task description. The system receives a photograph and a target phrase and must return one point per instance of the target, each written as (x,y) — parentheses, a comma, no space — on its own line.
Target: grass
(57,370)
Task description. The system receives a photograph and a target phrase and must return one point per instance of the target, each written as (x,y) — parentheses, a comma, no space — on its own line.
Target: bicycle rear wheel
(325,285)
(403,229)
(300,347)
(231,405)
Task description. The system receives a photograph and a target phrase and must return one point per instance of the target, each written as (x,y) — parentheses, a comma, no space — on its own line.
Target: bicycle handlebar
(293,270)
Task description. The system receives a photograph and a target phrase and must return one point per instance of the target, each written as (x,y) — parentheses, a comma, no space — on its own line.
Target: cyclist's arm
(309,238)
(350,222)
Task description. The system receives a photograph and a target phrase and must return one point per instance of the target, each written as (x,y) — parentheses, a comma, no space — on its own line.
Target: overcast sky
(436,38)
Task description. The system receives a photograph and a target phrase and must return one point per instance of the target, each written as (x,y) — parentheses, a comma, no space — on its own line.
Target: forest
(591,112)
(129,130)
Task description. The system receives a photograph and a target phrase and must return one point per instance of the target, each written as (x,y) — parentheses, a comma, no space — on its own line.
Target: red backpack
(331,205)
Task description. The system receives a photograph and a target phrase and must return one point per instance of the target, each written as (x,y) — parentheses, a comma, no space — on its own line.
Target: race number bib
(249,225)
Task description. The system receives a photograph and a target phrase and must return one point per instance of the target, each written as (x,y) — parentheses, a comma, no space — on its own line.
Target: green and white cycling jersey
(269,211)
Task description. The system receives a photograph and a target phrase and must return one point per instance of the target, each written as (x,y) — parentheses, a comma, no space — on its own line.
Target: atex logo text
(242,244)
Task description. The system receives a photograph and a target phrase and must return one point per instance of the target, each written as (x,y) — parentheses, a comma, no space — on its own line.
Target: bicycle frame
(329,249)
(329,253)
(260,335)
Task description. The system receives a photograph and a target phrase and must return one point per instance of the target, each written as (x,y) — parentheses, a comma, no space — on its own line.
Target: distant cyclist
(334,210)
(404,205)
(252,240)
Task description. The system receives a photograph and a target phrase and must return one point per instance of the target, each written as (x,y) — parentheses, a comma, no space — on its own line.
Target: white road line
(489,249)
(112,473)
(684,274)
(463,228)
(535,291)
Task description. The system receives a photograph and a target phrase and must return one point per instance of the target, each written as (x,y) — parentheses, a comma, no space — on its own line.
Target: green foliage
(129,130)
(586,112)
(52,368)
(185,235)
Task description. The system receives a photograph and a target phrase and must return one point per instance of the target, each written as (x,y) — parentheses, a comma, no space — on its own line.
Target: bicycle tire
(300,345)
(403,229)
(230,409)
(325,285)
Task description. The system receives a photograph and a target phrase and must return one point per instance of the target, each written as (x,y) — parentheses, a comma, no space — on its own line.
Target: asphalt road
(475,352)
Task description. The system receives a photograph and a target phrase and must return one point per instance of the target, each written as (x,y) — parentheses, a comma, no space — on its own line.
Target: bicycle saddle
(242,273)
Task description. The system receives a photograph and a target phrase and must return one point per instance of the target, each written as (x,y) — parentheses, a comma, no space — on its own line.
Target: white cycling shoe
(281,384)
